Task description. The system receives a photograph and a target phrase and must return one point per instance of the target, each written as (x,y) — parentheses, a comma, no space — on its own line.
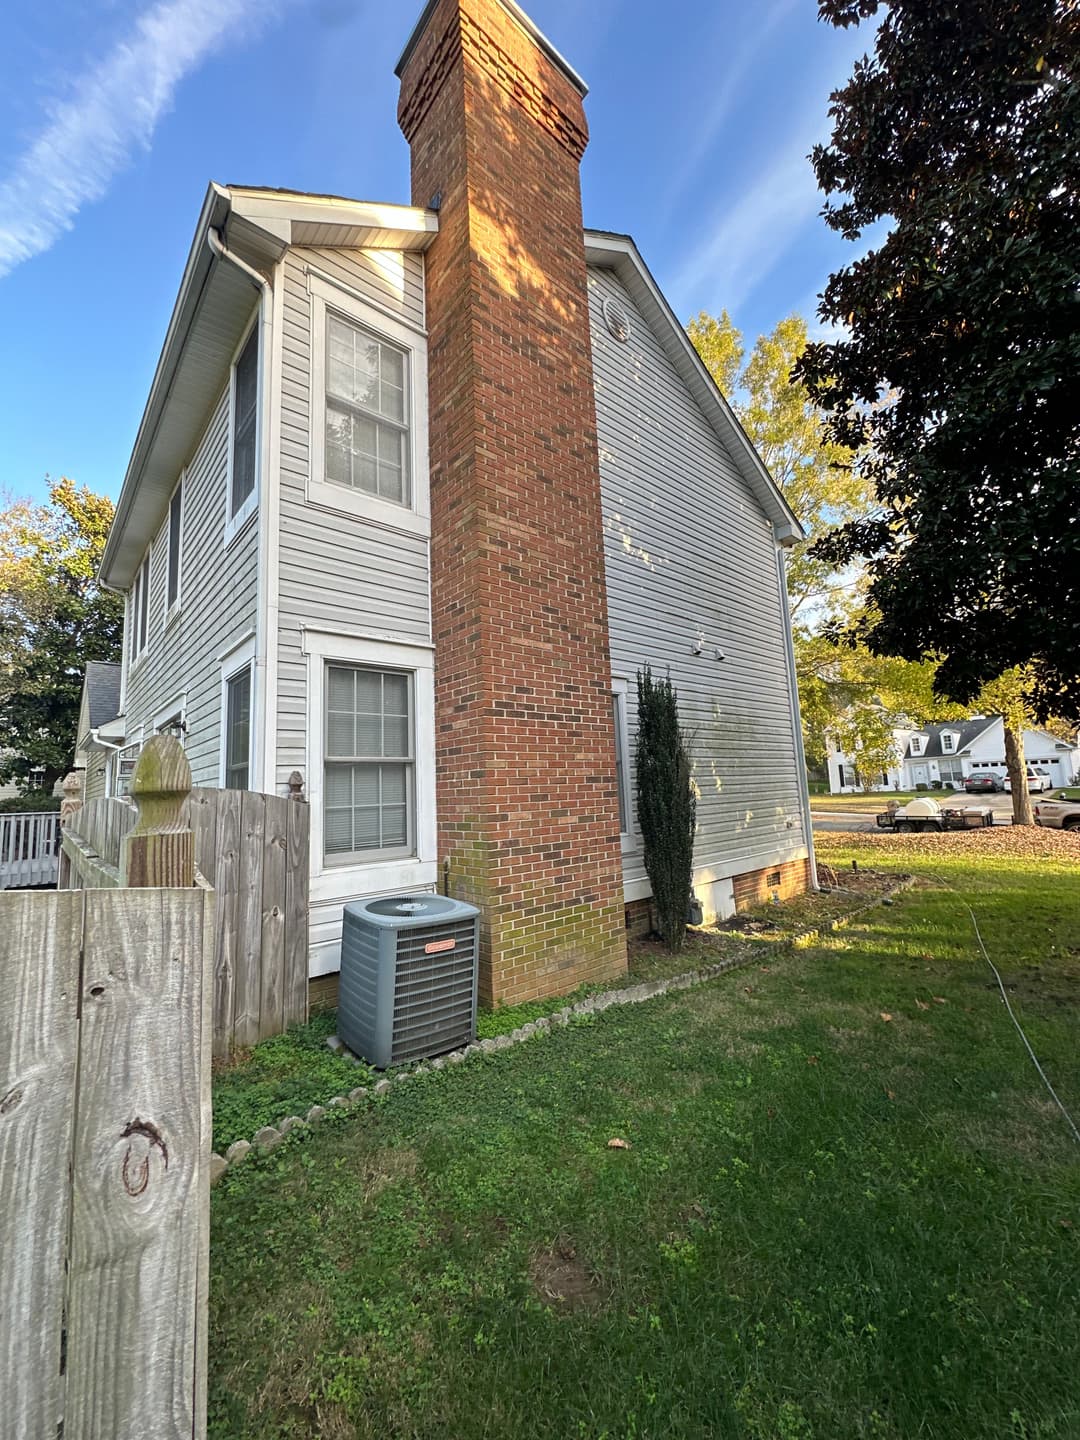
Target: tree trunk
(1017,768)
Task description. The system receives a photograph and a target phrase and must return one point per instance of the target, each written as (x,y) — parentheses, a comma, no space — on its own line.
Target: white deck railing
(29,846)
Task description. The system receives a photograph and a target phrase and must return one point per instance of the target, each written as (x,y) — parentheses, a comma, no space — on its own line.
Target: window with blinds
(238,730)
(244,422)
(369,804)
(367,424)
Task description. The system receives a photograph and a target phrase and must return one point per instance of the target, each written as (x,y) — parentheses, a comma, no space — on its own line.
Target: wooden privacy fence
(253,850)
(104,1147)
(29,845)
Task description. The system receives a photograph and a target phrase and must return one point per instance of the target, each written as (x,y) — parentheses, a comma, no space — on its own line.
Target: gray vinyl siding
(218,590)
(336,571)
(94,775)
(689,554)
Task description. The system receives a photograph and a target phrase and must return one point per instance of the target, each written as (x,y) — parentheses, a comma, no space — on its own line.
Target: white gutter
(796,715)
(261,701)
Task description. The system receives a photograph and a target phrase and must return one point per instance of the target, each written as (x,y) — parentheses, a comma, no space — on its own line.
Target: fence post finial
(160,849)
(296,786)
(71,804)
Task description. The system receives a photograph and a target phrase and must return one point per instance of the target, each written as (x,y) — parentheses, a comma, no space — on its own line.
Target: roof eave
(199,262)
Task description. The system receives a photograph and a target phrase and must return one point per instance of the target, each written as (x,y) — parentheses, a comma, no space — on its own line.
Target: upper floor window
(368,412)
(948,742)
(367,429)
(139,609)
(172,583)
(245,436)
(917,744)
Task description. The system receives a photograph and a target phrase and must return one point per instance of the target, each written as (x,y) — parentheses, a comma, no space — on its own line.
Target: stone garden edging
(269,1137)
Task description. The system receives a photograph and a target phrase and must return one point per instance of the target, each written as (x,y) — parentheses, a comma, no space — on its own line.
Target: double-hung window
(948,742)
(369,793)
(367,427)
(139,609)
(622,762)
(238,729)
(369,451)
(245,435)
(172,579)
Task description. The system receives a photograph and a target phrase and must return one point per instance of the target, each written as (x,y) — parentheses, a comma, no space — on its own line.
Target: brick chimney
(525,745)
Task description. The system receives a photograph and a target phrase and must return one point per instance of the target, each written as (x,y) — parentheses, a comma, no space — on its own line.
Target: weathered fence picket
(40,937)
(105,1056)
(253,850)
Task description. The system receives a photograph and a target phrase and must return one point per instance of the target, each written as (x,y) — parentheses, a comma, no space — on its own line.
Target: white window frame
(917,746)
(139,585)
(948,742)
(333,880)
(620,689)
(124,755)
(240,657)
(173,610)
(175,713)
(415,518)
(235,523)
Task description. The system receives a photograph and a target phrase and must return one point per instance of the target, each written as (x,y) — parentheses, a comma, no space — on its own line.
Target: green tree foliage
(960,132)
(816,475)
(666,804)
(54,617)
(857,699)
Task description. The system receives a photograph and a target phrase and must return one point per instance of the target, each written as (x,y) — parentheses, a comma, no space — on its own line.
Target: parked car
(983,780)
(1038,782)
(1058,814)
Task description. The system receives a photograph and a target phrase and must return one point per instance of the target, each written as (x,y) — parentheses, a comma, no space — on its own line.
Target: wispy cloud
(749,238)
(740,67)
(111,112)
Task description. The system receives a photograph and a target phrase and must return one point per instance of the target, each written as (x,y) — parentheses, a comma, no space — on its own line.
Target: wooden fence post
(160,849)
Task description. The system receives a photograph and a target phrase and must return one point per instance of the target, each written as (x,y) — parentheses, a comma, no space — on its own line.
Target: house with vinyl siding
(417,492)
(942,755)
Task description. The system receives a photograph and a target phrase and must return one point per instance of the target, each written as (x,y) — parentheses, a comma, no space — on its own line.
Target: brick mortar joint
(636,994)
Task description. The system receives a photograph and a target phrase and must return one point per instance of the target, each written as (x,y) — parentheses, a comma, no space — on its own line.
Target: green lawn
(848,1207)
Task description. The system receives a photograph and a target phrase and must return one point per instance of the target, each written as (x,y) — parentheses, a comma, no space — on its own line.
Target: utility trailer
(922,817)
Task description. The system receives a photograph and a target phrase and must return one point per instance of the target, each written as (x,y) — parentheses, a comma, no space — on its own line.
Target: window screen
(366,413)
(369,804)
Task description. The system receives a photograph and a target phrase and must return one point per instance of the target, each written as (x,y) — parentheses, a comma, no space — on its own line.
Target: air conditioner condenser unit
(408,977)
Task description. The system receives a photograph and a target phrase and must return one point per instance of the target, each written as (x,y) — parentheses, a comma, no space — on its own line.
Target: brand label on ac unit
(438,946)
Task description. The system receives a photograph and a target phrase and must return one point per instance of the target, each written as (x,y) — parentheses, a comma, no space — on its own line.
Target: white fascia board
(406,227)
(620,254)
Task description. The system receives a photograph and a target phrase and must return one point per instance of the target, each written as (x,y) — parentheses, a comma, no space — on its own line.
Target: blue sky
(114,115)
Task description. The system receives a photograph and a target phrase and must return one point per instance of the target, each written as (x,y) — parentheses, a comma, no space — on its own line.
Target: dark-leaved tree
(959,368)
(666,805)
(54,617)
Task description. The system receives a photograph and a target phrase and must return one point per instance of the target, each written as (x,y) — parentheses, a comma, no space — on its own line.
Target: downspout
(266,329)
(796,717)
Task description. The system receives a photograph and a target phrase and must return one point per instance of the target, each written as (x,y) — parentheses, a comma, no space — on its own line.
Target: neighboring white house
(942,755)
(274,539)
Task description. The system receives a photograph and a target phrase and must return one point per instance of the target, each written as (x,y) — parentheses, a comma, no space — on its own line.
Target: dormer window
(948,742)
(917,743)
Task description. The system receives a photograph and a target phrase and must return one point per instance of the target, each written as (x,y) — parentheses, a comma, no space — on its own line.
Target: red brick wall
(525,750)
(759,885)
